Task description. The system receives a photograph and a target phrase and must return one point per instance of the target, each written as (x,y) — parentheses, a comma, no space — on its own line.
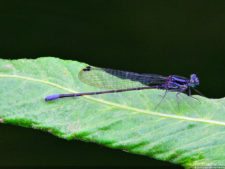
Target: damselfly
(122,81)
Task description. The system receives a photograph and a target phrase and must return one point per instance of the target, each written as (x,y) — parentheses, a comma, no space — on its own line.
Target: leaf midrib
(136,110)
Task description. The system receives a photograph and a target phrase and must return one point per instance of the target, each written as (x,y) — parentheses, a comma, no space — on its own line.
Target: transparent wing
(118,79)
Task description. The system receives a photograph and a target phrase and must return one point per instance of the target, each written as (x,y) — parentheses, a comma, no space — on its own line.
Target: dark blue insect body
(121,81)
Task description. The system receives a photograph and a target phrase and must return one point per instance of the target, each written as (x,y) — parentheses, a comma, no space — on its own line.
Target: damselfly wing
(117,79)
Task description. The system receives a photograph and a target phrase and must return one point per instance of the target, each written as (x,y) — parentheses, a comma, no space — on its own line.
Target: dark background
(163,37)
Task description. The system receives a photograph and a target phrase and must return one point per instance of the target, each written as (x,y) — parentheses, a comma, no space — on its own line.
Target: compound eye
(194,79)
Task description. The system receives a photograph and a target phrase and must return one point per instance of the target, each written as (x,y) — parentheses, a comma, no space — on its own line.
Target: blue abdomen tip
(52,97)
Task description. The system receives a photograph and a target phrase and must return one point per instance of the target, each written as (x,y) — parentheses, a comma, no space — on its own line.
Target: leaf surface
(191,134)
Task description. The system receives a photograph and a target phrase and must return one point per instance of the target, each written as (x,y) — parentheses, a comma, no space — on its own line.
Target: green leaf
(191,134)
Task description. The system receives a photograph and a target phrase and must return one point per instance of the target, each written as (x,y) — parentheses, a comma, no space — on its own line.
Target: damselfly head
(194,81)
